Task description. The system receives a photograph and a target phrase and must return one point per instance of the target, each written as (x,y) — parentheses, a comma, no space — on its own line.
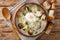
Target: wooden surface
(8,2)
(7,34)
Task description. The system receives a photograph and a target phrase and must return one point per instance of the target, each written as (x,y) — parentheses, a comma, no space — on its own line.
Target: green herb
(24,29)
(39,9)
(30,10)
(24,14)
(37,21)
(26,23)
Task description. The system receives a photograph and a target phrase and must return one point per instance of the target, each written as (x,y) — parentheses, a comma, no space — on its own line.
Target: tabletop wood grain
(8,2)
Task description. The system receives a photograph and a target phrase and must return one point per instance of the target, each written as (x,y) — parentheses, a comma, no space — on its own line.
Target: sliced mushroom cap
(46,5)
(53,6)
(20,25)
(43,17)
(51,15)
(38,13)
(30,32)
(27,8)
(50,27)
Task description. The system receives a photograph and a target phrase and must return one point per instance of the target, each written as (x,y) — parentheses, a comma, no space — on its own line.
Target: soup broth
(31,19)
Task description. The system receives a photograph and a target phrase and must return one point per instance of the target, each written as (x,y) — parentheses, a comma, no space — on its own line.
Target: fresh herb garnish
(30,10)
(24,14)
(26,23)
(39,9)
(37,21)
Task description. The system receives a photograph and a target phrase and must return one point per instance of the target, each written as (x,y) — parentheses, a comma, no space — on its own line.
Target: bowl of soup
(30,19)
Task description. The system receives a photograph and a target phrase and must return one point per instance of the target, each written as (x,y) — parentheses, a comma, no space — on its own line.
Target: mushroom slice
(50,26)
(20,25)
(46,5)
(27,9)
(34,8)
(43,17)
(38,13)
(53,6)
(51,15)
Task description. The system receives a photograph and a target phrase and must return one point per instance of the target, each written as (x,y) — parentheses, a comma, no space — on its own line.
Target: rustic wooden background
(7,34)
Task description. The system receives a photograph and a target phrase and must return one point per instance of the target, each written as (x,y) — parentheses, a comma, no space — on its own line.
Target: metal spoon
(7,15)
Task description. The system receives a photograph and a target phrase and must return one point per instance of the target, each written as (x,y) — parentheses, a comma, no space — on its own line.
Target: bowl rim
(14,21)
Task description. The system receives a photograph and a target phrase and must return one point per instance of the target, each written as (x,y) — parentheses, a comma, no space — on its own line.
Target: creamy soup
(31,19)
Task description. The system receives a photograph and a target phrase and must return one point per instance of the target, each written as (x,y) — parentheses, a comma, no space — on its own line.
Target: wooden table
(7,34)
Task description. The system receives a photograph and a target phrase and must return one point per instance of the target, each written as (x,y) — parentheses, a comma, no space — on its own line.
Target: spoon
(7,15)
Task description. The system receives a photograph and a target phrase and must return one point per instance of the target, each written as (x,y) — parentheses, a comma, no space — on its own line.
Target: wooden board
(8,2)
(52,36)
